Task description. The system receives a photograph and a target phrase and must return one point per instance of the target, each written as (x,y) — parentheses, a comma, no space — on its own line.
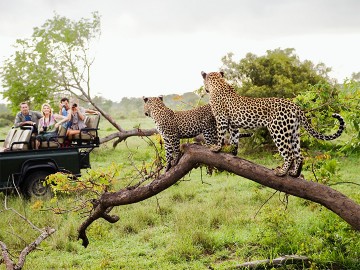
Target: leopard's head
(211,79)
(150,104)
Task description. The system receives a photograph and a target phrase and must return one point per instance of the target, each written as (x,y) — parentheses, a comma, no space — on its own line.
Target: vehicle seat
(55,141)
(8,140)
(89,135)
(17,139)
(23,141)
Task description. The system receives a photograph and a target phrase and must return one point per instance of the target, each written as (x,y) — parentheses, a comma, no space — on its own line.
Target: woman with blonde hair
(48,124)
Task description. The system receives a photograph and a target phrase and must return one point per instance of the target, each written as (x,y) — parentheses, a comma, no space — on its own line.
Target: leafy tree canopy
(279,73)
(54,61)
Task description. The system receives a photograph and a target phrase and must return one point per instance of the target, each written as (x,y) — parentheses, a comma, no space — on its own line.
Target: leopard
(280,116)
(176,125)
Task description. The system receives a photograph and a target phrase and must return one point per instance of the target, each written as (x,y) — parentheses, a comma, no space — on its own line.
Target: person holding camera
(48,124)
(77,118)
(74,117)
(64,107)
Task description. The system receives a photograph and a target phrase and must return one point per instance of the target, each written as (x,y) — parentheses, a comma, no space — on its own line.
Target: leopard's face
(151,104)
(213,80)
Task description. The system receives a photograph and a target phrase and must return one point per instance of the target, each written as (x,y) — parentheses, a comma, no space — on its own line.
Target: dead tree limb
(193,155)
(275,263)
(124,134)
(10,264)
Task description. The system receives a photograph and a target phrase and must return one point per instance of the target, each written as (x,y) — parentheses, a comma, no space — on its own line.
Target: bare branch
(278,262)
(10,265)
(20,215)
(45,234)
(124,134)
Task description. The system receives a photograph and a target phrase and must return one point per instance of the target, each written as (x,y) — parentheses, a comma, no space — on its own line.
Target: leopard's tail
(319,135)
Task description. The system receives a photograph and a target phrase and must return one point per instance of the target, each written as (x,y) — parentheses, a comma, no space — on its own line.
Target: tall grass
(202,221)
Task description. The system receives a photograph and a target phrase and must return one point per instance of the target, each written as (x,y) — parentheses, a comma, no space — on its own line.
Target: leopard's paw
(215,148)
(279,171)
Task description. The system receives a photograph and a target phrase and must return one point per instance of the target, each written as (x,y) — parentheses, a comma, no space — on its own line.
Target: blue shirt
(64,112)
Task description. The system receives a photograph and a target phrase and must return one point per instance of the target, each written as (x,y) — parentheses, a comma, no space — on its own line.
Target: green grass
(202,221)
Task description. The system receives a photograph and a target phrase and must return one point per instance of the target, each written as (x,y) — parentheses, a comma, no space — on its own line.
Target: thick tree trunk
(196,154)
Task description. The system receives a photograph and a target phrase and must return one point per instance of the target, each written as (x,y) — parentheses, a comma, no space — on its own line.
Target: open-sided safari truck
(24,168)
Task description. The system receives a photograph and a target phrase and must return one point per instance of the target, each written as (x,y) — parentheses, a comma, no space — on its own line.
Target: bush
(6,119)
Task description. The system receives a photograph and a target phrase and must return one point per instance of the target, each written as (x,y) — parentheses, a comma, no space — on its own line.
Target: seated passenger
(77,119)
(27,117)
(76,116)
(48,124)
(64,110)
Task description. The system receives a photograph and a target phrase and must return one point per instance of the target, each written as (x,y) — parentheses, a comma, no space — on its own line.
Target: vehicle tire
(34,185)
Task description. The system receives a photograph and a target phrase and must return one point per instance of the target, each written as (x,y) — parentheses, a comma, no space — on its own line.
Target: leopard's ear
(203,74)
(222,73)
(161,98)
(145,99)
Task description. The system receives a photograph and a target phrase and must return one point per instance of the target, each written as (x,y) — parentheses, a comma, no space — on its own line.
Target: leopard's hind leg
(172,151)
(282,139)
(234,139)
(298,159)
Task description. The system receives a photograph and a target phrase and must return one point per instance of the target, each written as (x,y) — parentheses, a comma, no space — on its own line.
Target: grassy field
(202,222)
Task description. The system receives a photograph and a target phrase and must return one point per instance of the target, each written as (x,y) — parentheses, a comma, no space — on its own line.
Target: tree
(56,61)
(193,156)
(279,73)
(27,77)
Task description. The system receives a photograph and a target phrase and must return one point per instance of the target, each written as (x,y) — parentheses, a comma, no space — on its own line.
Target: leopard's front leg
(221,126)
(168,153)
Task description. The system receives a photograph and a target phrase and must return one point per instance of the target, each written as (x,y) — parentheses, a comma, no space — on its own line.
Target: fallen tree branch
(124,134)
(278,262)
(10,264)
(193,155)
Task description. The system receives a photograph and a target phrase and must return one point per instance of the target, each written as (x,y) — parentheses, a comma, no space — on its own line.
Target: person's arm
(38,114)
(60,108)
(58,117)
(41,125)
(38,117)
(81,113)
(91,111)
(63,119)
(17,122)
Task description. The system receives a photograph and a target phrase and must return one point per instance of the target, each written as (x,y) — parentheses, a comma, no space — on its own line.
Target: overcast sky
(148,48)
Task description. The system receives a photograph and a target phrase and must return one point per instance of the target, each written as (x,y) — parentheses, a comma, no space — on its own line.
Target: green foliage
(350,98)
(3,108)
(324,169)
(6,120)
(26,77)
(52,61)
(279,73)
(90,185)
(320,101)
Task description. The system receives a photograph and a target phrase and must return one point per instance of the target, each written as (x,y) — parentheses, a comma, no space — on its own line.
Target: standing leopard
(280,116)
(176,125)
